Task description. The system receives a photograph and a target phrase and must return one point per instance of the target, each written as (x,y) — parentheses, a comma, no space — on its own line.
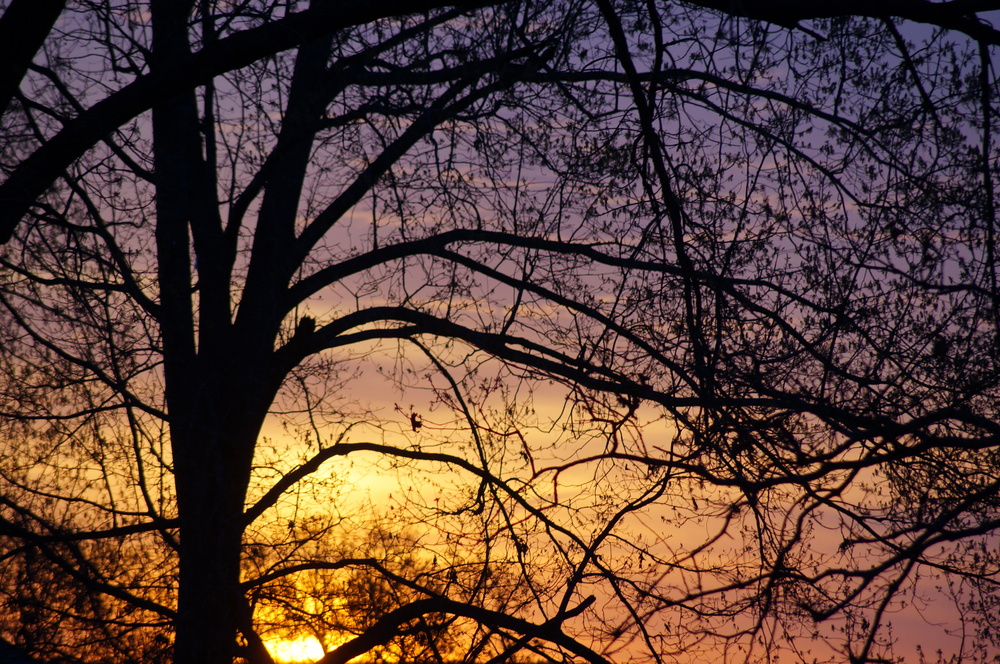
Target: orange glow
(294,651)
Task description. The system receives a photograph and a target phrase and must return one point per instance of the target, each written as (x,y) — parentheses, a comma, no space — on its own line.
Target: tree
(339,603)
(751,264)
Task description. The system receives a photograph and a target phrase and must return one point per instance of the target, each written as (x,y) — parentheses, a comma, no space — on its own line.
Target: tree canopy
(674,327)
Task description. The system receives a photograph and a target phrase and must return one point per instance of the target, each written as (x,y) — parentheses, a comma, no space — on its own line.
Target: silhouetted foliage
(689,313)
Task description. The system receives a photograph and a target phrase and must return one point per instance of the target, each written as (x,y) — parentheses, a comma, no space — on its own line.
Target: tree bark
(210,502)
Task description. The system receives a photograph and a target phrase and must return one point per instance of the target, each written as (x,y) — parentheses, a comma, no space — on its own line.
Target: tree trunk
(211,446)
(214,423)
(210,494)
(208,592)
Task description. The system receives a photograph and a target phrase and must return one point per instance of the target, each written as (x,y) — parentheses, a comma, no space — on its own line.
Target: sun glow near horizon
(299,650)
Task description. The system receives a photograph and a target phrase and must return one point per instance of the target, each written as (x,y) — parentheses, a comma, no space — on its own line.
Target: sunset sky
(554,330)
